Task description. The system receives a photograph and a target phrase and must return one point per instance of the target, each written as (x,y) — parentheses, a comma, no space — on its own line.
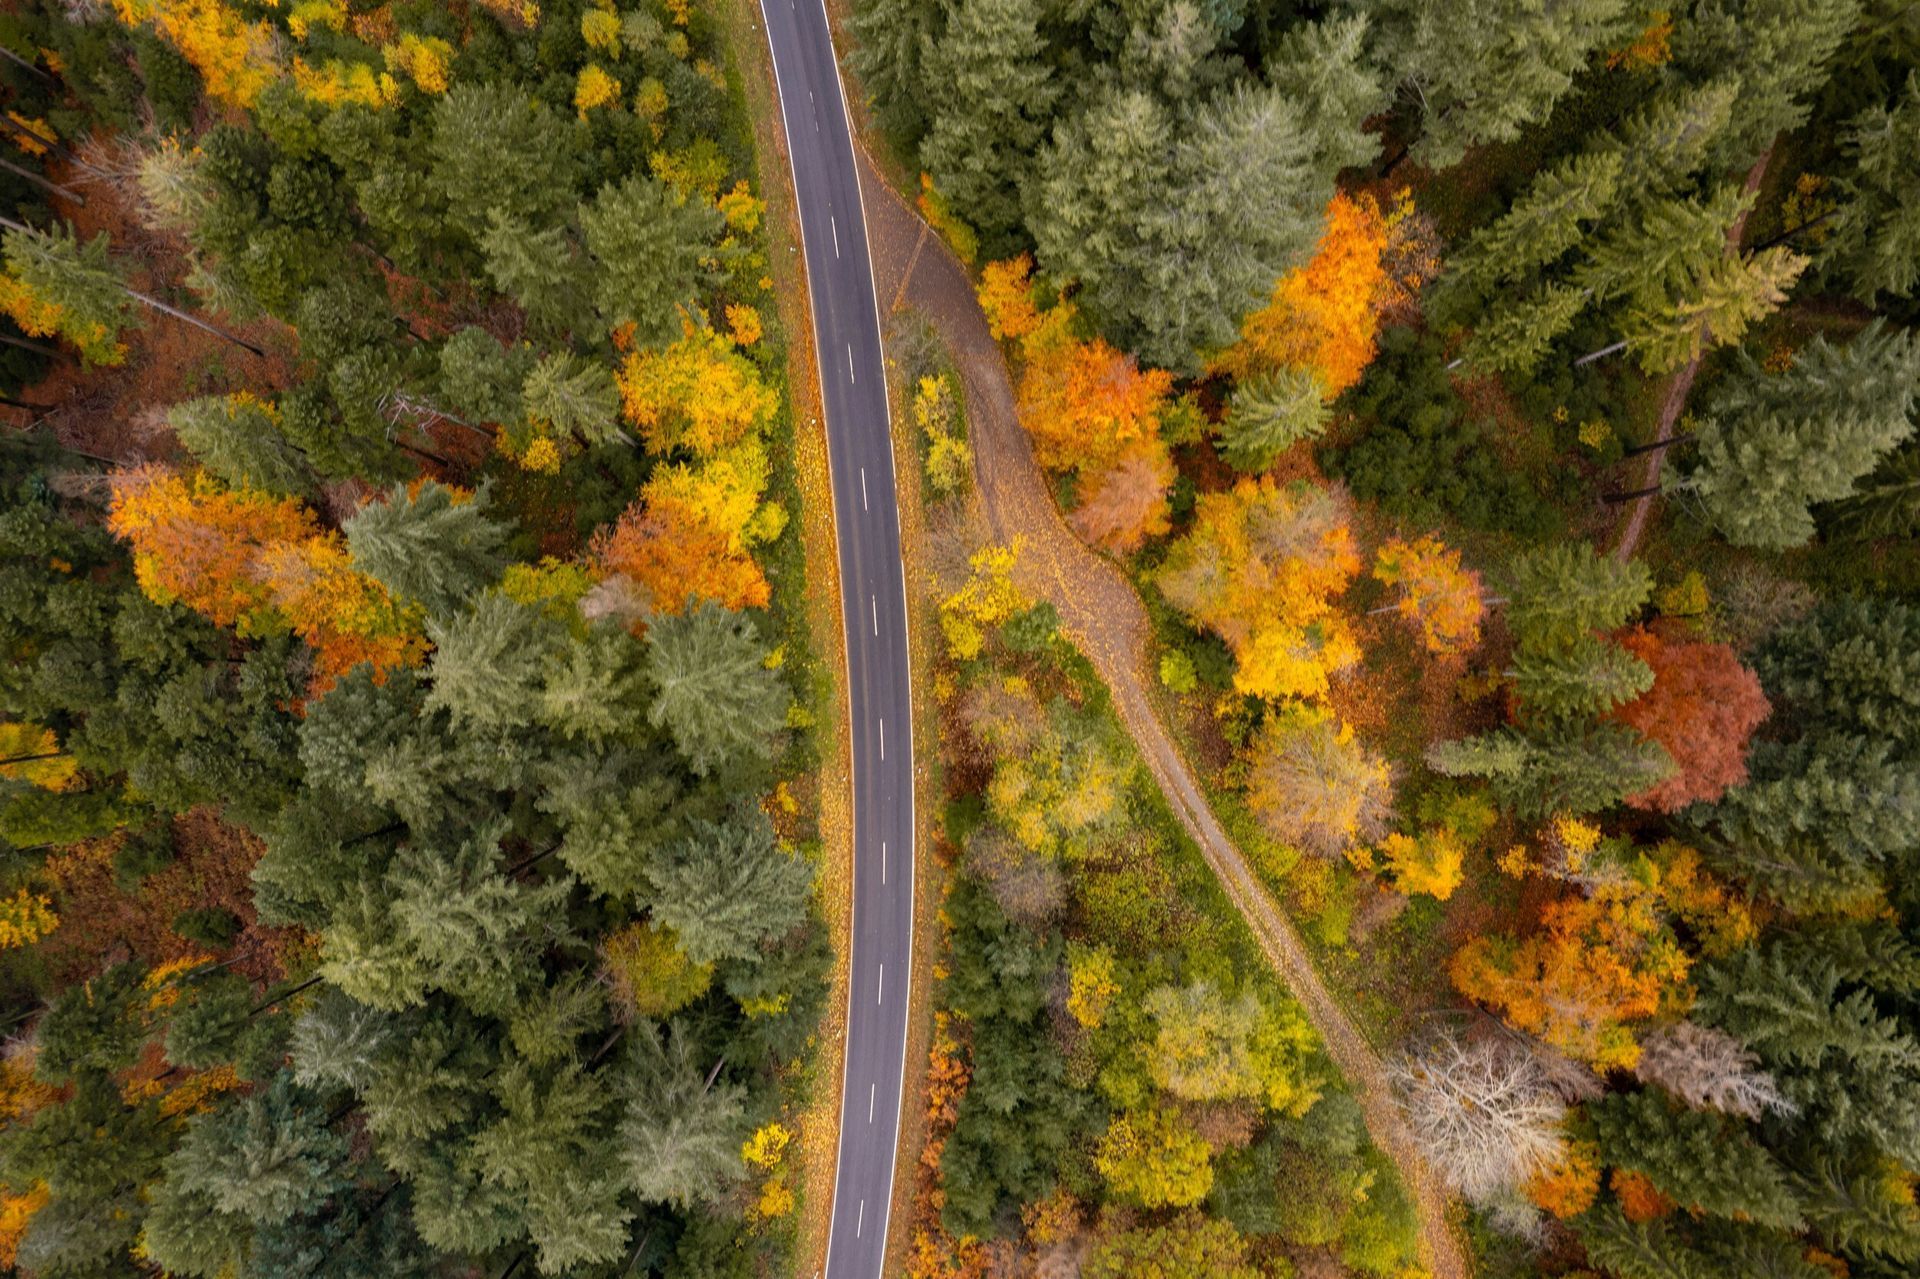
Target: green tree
(575,396)
(541,269)
(1576,770)
(728,886)
(716,695)
(1551,216)
(988,94)
(428,544)
(481,379)
(1581,680)
(681,1133)
(497,150)
(238,439)
(1875,245)
(489,661)
(890,37)
(1513,338)
(1781,50)
(1270,414)
(1852,666)
(597,689)
(81,279)
(1190,1246)
(1700,1159)
(647,242)
(1568,590)
(1773,445)
(1482,71)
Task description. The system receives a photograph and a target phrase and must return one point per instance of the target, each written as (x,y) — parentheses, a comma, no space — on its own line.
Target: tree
(1875,245)
(1701,709)
(1484,1113)
(1699,1159)
(1551,216)
(1314,787)
(55,285)
(671,554)
(1576,770)
(1595,964)
(714,691)
(1566,590)
(1123,506)
(1445,600)
(1270,413)
(1578,680)
(1781,50)
(988,95)
(1515,336)
(1851,667)
(489,662)
(698,394)
(238,439)
(1323,314)
(542,269)
(1709,1069)
(1191,1246)
(1210,1045)
(648,241)
(1155,1159)
(680,1137)
(572,398)
(480,378)
(428,544)
(1772,445)
(728,886)
(1087,405)
(1260,568)
(494,150)
(1483,72)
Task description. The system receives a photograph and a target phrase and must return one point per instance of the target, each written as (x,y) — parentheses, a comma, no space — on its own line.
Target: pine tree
(1484,70)
(1570,770)
(1885,504)
(1269,414)
(716,695)
(1670,139)
(427,544)
(540,268)
(1701,1160)
(889,36)
(1772,445)
(728,886)
(1323,66)
(1782,52)
(1581,680)
(481,379)
(1514,337)
(647,241)
(1853,666)
(989,94)
(598,689)
(1875,246)
(574,397)
(56,284)
(1550,217)
(238,439)
(680,1138)
(1567,590)
(496,150)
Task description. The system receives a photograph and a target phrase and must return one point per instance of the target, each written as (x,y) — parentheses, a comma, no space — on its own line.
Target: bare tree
(1484,1113)
(1709,1069)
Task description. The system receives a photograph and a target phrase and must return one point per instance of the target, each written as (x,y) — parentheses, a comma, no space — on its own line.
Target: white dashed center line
(872,1091)
(863,488)
(850,374)
(834,224)
(875,601)
(880,990)
(860,1224)
(883,861)
(883,739)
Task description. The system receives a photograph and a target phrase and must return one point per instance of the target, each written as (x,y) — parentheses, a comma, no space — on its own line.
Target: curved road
(853,388)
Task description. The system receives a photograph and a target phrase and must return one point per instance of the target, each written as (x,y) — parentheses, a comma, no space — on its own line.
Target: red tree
(1703,707)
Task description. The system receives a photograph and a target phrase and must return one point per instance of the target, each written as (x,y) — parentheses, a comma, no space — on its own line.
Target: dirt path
(1677,391)
(1099,609)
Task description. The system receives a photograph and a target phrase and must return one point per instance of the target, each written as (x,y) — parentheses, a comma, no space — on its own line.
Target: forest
(407,766)
(1505,415)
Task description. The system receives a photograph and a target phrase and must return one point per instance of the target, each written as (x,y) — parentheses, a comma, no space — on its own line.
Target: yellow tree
(699,394)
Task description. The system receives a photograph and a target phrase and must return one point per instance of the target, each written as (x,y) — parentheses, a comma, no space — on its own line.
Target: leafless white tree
(1484,1112)
(1710,1069)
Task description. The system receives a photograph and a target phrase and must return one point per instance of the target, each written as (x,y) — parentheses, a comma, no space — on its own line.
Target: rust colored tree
(1703,708)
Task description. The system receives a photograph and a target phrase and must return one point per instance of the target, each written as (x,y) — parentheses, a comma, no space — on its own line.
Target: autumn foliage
(676,554)
(1703,708)
(262,564)
(1261,568)
(699,394)
(1434,592)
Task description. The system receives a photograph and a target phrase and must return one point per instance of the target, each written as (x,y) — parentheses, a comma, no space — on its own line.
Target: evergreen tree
(428,545)
(989,95)
(496,150)
(1772,445)
(1581,680)
(1885,504)
(680,1138)
(598,689)
(889,39)
(481,379)
(1782,52)
(490,660)
(715,695)
(1269,414)
(1550,217)
(1579,770)
(1672,137)
(1483,70)
(1875,246)
(1702,1160)
(543,271)
(79,281)
(238,439)
(575,397)
(1567,590)
(1853,666)
(647,242)
(728,886)
(1513,338)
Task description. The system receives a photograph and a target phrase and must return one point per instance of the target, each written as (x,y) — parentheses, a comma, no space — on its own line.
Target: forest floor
(1101,613)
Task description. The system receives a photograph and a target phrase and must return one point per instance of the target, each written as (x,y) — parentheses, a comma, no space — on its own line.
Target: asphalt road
(846,327)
